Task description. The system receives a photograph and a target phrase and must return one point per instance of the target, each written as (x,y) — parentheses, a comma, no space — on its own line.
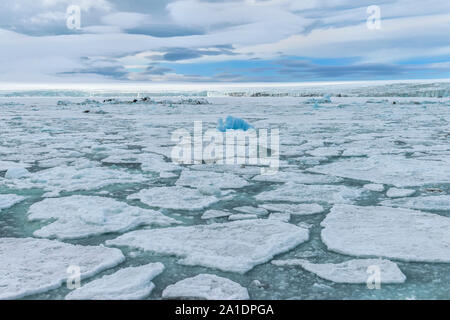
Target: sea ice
(243,216)
(311,193)
(387,232)
(17,173)
(298,177)
(352,271)
(30,266)
(441,202)
(208,287)
(198,179)
(399,193)
(281,216)
(252,210)
(8,200)
(234,246)
(211,214)
(389,169)
(374,187)
(176,197)
(65,178)
(131,283)
(294,209)
(83,216)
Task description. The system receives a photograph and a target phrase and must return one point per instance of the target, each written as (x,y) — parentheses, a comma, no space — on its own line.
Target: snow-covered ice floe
(198,179)
(311,193)
(235,246)
(71,178)
(389,169)
(399,193)
(212,214)
(176,197)
(130,283)
(208,287)
(352,271)
(8,200)
(30,266)
(294,209)
(441,202)
(298,177)
(83,216)
(387,232)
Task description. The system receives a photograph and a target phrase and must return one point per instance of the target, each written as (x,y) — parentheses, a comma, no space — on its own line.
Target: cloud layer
(239,40)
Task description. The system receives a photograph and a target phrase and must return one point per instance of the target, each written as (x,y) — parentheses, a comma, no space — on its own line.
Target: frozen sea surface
(364,174)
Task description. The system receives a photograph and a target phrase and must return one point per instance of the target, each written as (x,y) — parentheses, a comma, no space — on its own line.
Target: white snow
(294,209)
(234,246)
(131,283)
(243,216)
(352,271)
(374,187)
(198,179)
(211,214)
(176,197)
(281,216)
(441,202)
(311,193)
(30,266)
(208,287)
(399,193)
(298,177)
(71,178)
(83,216)
(8,200)
(17,173)
(387,232)
(252,210)
(389,169)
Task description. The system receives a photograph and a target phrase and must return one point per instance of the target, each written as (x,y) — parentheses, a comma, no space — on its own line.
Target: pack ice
(83,216)
(389,169)
(8,200)
(441,202)
(199,179)
(208,287)
(30,266)
(174,198)
(387,232)
(352,271)
(311,193)
(235,246)
(131,283)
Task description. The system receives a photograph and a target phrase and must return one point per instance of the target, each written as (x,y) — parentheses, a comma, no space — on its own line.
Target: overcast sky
(223,41)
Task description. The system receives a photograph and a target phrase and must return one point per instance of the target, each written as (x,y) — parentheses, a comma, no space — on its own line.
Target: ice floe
(387,232)
(176,197)
(441,202)
(311,193)
(252,210)
(374,187)
(294,209)
(30,266)
(399,193)
(130,283)
(17,173)
(298,177)
(208,287)
(198,179)
(352,271)
(243,216)
(8,200)
(389,169)
(83,216)
(234,246)
(211,214)
(70,178)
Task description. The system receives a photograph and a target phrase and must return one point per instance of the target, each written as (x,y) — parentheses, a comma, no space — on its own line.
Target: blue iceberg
(232,123)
